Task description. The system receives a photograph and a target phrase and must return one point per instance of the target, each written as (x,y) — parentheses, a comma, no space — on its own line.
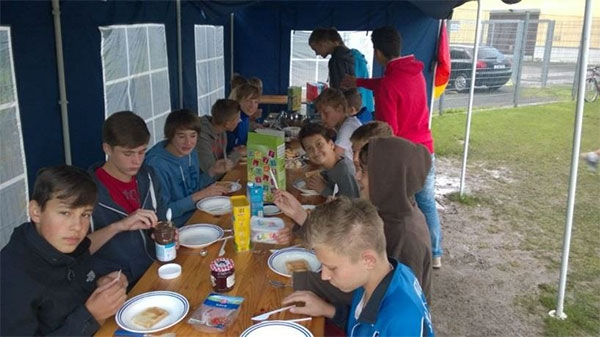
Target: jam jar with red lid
(222,274)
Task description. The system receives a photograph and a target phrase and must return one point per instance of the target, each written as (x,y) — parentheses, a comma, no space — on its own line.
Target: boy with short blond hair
(332,106)
(48,285)
(356,107)
(248,96)
(212,141)
(338,170)
(387,298)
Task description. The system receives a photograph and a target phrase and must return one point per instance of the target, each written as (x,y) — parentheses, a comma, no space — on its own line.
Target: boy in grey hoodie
(212,141)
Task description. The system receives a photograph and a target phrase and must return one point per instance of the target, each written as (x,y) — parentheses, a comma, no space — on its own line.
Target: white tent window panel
(136,73)
(13,169)
(305,66)
(210,66)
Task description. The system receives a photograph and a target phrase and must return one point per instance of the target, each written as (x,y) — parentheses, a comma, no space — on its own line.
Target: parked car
(493,69)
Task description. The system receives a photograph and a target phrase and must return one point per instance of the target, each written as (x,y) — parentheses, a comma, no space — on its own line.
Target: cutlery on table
(336,190)
(266,315)
(222,250)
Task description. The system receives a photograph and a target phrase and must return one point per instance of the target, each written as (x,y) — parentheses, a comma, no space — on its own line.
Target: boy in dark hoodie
(212,141)
(48,285)
(343,61)
(129,203)
(401,101)
(175,160)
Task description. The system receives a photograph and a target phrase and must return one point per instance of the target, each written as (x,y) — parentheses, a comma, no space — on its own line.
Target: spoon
(222,250)
(169,214)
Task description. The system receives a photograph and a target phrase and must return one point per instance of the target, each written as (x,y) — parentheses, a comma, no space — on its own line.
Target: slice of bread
(296,266)
(311,173)
(149,317)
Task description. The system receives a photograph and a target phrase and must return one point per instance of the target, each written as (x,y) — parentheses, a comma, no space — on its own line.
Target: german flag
(442,69)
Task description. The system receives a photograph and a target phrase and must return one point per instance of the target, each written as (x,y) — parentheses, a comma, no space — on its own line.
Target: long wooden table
(252,276)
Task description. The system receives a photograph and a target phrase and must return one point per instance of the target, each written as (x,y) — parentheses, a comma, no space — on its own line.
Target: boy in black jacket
(47,284)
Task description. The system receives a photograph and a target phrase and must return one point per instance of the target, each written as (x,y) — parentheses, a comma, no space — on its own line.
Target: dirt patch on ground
(484,272)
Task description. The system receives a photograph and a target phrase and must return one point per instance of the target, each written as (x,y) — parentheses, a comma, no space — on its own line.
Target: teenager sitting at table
(337,170)
(47,283)
(212,140)
(129,203)
(348,238)
(248,96)
(389,184)
(175,160)
(333,108)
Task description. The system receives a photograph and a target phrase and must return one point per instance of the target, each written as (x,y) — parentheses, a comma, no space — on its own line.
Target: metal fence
(536,61)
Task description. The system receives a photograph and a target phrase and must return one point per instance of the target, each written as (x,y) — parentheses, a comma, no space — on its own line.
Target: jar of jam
(222,274)
(164,241)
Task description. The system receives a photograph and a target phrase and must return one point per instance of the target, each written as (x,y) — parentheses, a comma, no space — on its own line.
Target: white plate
(199,235)
(276,329)
(215,205)
(278,259)
(269,210)
(300,185)
(233,185)
(177,306)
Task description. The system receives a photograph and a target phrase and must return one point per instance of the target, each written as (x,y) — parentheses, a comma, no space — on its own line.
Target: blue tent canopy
(261,48)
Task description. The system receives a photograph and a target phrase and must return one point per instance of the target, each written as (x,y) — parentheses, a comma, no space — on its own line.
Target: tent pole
(585,48)
(179,56)
(435,64)
(62,88)
(471,93)
(231,19)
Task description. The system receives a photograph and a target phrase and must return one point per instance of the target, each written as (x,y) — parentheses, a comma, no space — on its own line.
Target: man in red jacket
(401,101)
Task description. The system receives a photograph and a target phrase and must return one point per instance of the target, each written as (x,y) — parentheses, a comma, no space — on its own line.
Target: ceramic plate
(232,186)
(215,205)
(177,306)
(278,259)
(269,210)
(199,235)
(309,207)
(300,185)
(276,329)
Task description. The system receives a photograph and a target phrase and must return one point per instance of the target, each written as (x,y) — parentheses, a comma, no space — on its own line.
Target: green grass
(534,144)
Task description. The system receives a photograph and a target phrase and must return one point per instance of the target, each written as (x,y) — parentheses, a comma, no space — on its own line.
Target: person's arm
(290,206)
(368,83)
(338,67)
(386,109)
(79,323)
(140,219)
(178,206)
(313,304)
(206,156)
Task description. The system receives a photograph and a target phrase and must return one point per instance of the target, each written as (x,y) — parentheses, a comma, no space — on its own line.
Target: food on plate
(296,266)
(149,317)
(227,184)
(290,154)
(294,163)
(311,173)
